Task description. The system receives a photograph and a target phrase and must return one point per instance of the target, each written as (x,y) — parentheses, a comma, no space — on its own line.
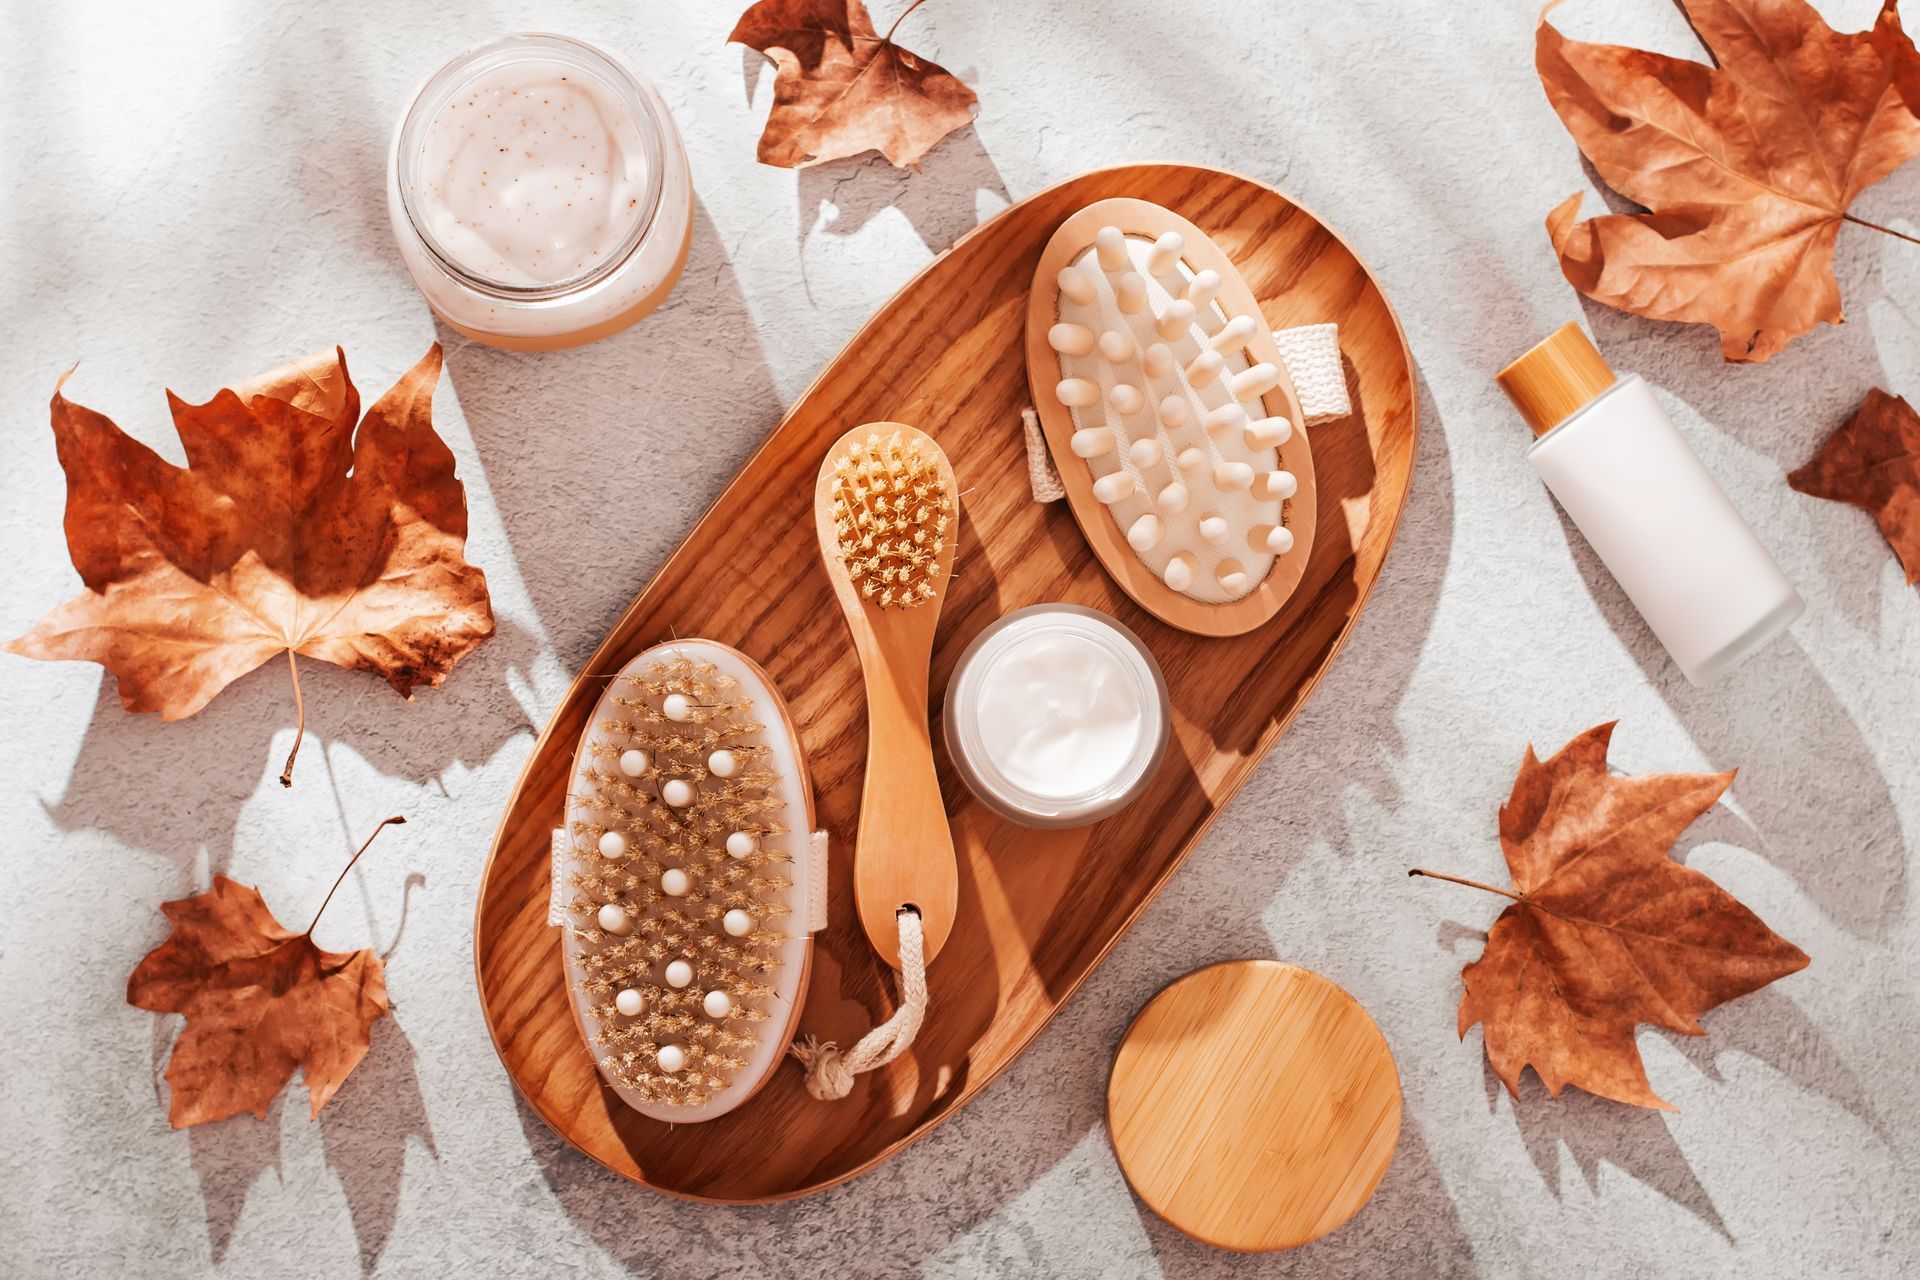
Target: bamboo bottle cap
(1556,379)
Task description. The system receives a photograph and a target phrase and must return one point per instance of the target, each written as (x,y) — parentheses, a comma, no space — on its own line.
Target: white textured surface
(192,193)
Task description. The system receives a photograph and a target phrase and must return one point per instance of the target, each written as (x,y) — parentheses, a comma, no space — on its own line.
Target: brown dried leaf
(259,1001)
(1607,931)
(1873,462)
(287,532)
(840,88)
(1748,168)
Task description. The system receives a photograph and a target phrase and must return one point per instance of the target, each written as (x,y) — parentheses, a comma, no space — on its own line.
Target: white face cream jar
(539,193)
(1056,715)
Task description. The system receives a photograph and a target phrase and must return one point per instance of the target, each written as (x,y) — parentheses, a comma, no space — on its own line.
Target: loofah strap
(1044,480)
(830,1072)
(817,882)
(556,903)
(1311,353)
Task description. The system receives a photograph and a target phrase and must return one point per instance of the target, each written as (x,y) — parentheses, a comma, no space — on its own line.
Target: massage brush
(1170,415)
(688,881)
(888,514)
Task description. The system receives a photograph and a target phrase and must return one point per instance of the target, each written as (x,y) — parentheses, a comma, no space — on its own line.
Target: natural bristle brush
(1168,410)
(688,881)
(888,514)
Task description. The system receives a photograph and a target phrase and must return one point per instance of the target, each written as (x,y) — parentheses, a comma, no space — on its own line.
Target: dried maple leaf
(1748,166)
(840,88)
(1873,461)
(287,532)
(259,1001)
(1607,931)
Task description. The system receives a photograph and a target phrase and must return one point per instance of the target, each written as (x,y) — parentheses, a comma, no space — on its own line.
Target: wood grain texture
(1254,1105)
(1109,541)
(903,851)
(1037,909)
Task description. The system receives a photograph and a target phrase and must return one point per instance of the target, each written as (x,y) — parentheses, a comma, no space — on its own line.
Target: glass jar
(1057,716)
(539,193)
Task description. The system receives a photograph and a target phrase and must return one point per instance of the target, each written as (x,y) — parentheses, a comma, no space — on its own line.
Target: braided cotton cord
(1311,353)
(830,1072)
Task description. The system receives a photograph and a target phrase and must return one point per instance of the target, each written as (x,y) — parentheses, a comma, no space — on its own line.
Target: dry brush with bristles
(678,712)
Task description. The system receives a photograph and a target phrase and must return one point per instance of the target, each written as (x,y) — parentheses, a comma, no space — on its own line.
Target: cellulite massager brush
(888,515)
(688,882)
(1170,415)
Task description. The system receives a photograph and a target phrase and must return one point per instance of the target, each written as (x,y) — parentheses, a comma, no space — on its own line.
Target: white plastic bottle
(1640,495)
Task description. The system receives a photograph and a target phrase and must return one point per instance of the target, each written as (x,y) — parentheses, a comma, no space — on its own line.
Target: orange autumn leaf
(1606,930)
(1873,462)
(841,88)
(1747,167)
(259,1001)
(287,532)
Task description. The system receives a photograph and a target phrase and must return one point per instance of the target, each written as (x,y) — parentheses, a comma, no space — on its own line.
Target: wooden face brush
(888,515)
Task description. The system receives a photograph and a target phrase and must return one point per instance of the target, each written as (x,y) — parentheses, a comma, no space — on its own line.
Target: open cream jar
(539,193)
(1056,715)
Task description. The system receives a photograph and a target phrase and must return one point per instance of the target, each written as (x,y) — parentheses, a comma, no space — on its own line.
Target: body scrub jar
(539,193)
(1056,716)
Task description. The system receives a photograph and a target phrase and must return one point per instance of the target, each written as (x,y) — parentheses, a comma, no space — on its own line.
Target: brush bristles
(891,513)
(662,838)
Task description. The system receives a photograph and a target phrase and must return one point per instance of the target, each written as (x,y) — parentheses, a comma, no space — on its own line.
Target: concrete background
(192,193)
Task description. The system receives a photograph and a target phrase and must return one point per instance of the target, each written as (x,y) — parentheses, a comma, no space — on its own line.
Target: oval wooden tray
(1038,909)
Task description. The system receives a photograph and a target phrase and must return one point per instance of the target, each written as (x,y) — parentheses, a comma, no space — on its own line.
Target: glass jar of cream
(539,193)
(1056,715)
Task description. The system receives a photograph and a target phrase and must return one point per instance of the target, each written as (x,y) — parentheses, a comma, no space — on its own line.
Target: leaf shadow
(939,200)
(228,1157)
(1593,1130)
(1771,1028)
(365,1131)
(1808,779)
(464,722)
(178,789)
(1451,933)
(415,879)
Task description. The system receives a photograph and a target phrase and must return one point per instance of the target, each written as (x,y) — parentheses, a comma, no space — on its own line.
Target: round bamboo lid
(1254,1105)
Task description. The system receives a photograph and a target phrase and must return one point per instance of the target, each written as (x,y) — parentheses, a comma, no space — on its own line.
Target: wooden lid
(1254,1105)
(1555,380)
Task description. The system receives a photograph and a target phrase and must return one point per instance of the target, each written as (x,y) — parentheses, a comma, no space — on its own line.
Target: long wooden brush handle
(904,855)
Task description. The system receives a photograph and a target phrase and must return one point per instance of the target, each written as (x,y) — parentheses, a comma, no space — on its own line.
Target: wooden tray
(1038,909)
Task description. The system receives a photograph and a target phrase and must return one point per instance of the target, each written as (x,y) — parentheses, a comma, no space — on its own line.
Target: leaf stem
(1898,235)
(888,38)
(299,722)
(1471,884)
(395,819)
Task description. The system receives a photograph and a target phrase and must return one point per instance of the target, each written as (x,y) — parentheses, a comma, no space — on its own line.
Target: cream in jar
(1056,715)
(539,193)
(531,174)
